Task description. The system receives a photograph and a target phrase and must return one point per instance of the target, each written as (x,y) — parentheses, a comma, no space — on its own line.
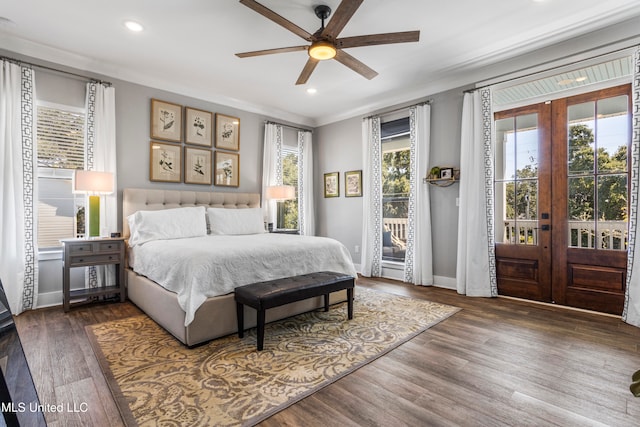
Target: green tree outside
(588,201)
(395,183)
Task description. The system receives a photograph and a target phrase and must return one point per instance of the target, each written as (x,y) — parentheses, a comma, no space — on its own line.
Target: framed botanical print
(353,184)
(197,166)
(165,162)
(166,121)
(198,127)
(227,169)
(332,184)
(227,132)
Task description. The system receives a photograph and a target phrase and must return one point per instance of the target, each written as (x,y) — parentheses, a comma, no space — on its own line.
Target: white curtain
(271,168)
(371,262)
(100,156)
(306,210)
(476,268)
(18,204)
(418,264)
(631,312)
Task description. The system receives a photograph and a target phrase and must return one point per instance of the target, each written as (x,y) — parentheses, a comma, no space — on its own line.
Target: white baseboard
(445,282)
(49,299)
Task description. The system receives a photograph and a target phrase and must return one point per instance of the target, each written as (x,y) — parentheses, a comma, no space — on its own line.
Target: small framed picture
(353,184)
(332,184)
(198,127)
(166,121)
(197,166)
(165,162)
(227,169)
(227,132)
(446,173)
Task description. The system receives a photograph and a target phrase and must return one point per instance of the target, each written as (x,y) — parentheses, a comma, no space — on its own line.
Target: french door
(561,200)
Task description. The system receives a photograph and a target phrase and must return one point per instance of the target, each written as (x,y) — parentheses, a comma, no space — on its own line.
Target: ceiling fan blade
(270,14)
(375,39)
(345,59)
(271,51)
(341,16)
(307,70)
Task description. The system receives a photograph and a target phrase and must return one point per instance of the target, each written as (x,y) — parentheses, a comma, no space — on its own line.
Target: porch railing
(581,234)
(397,226)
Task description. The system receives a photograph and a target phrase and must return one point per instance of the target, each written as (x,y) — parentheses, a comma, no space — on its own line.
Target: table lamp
(95,184)
(280,193)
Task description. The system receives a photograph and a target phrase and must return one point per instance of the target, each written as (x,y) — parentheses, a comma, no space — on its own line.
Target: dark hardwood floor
(497,362)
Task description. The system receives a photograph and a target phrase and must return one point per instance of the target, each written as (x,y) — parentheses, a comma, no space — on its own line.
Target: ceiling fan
(325,43)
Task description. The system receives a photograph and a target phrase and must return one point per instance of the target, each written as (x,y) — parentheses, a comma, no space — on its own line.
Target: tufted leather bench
(274,293)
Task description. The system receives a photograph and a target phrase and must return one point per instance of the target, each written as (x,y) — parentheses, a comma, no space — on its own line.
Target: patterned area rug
(157,381)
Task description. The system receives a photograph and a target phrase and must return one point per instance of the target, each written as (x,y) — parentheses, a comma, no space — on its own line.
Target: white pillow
(235,221)
(165,224)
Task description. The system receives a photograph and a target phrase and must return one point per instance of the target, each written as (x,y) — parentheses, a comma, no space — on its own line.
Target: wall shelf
(445,182)
(443,176)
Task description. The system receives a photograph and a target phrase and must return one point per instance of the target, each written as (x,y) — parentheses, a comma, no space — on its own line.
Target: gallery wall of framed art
(193,146)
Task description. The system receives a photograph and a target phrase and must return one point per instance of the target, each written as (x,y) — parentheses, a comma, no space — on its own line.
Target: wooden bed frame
(217,316)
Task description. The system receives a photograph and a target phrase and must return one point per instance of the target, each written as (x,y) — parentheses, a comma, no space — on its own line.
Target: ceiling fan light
(322,50)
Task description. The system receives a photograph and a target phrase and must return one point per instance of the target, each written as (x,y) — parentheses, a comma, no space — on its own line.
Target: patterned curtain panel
(271,168)
(631,312)
(418,265)
(371,263)
(100,154)
(306,218)
(476,265)
(18,234)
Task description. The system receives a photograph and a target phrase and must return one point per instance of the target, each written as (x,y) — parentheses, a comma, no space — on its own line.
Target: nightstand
(87,253)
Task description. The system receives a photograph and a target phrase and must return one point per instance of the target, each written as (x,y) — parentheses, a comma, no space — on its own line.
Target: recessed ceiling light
(565,82)
(133,26)
(581,79)
(312,91)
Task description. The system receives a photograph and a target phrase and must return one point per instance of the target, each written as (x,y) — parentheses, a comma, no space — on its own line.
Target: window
(289,216)
(395,188)
(60,133)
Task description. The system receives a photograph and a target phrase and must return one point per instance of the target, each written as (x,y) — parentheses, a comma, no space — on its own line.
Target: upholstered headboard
(138,199)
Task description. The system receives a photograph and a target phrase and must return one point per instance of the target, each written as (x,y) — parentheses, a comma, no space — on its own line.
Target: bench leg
(261,316)
(350,303)
(326,302)
(240,315)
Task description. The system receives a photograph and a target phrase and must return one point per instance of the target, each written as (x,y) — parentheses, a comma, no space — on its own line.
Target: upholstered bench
(274,293)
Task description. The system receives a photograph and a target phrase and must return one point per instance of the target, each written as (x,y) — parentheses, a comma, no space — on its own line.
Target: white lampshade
(92,182)
(280,192)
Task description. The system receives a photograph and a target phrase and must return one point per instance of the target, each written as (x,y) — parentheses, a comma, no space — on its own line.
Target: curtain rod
(428,102)
(552,68)
(44,67)
(287,126)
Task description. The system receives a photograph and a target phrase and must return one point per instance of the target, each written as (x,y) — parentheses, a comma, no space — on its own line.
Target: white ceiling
(188,46)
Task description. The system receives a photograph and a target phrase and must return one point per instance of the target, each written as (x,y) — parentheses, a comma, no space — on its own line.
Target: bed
(185,284)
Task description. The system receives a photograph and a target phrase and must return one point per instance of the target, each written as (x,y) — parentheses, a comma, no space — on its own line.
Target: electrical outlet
(357,249)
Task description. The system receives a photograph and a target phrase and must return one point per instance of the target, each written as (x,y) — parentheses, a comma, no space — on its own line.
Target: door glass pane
(581,138)
(516,186)
(527,211)
(581,212)
(612,212)
(612,134)
(598,134)
(527,146)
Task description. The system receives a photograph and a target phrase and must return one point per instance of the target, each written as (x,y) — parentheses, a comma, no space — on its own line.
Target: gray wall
(338,148)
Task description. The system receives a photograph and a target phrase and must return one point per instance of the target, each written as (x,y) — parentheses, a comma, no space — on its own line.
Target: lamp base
(94,216)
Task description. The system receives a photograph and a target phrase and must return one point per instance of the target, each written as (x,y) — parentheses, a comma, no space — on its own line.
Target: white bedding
(200,267)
